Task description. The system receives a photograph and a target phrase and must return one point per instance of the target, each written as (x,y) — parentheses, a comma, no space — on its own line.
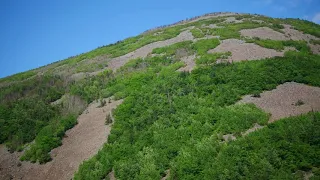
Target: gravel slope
(81,142)
(282,101)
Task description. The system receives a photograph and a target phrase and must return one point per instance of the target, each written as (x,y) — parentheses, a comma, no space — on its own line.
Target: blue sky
(38,32)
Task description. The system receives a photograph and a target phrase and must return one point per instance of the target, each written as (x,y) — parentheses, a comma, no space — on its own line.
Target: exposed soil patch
(229,137)
(142,52)
(256,20)
(71,104)
(77,76)
(296,35)
(211,16)
(244,51)
(212,26)
(188,28)
(263,33)
(111,175)
(232,20)
(315,48)
(82,142)
(284,100)
(167,175)
(190,64)
(254,128)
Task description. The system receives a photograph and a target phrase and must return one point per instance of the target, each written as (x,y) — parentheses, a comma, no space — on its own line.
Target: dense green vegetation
(26,115)
(278,151)
(18,77)
(25,109)
(175,120)
(212,58)
(48,138)
(21,121)
(172,49)
(167,116)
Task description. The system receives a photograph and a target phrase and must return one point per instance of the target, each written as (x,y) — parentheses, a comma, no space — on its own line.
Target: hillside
(218,96)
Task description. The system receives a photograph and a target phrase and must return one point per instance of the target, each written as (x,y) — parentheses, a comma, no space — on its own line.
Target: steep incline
(79,144)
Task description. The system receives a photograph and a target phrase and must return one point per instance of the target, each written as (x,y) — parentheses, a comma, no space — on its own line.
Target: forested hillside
(180,117)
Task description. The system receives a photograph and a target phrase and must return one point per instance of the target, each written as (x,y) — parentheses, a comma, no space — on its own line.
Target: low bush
(48,138)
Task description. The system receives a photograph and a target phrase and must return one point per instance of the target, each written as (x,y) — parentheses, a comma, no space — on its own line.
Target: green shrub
(197,33)
(48,138)
(211,58)
(204,45)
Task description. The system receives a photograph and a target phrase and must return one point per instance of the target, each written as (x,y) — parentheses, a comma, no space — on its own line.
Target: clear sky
(34,33)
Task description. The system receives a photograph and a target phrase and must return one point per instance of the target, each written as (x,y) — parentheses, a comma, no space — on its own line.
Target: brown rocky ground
(81,142)
(189,62)
(288,99)
(254,128)
(242,51)
(289,34)
(142,52)
(263,33)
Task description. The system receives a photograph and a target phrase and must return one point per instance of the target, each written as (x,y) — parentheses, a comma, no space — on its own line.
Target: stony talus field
(218,96)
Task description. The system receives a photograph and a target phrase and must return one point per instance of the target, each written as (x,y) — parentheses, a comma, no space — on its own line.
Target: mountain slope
(180,85)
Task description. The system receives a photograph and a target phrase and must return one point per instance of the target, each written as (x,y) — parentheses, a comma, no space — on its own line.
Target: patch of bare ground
(315,48)
(288,99)
(254,128)
(232,20)
(242,51)
(289,34)
(111,175)
(71,104)
(211,16)
(228,137)
(81,143)
(167,175)
(232,137)
(189,62)
(296,35)
(188,28)
(258,21)
(211,26)
(263,33)
(142,52)
(77,76)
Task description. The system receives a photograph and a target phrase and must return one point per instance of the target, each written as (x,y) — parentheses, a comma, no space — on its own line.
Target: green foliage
(172,120)
(128,45)
(175,120)
(212,58)
(22,120)
(204,45)
(280,45)
(91,67)
(18,77)
(172,49)
(49,138)
(48,88)
(275,152)
(197,33)
(231,31)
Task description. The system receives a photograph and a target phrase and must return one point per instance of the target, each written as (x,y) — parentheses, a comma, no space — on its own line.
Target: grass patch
(197,33)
